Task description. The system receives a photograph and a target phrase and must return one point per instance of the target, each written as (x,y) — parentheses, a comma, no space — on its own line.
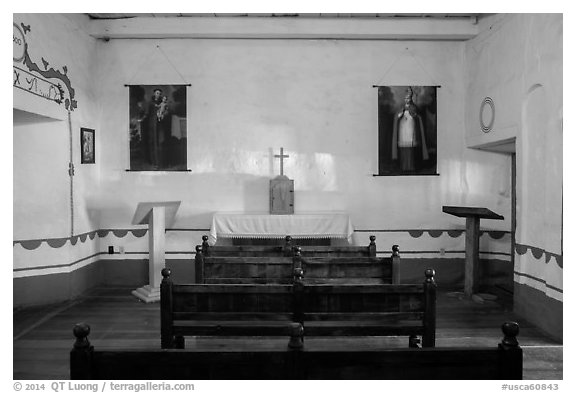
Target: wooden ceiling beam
(285,28)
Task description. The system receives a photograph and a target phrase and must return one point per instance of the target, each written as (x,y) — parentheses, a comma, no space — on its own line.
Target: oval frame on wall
(487,112)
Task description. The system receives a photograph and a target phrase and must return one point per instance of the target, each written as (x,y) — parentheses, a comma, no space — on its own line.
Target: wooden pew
(261,310)
(286,249)
(219,266)
(298,360)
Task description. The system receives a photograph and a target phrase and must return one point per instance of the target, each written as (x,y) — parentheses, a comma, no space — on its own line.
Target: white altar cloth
(316,225)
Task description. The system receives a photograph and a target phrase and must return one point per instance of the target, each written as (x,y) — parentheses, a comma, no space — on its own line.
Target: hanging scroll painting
(407,130)
(158,128)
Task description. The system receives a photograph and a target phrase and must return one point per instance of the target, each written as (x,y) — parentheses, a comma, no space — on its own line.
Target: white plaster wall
(248,98)
(517,60)
(41,146)
(312,97)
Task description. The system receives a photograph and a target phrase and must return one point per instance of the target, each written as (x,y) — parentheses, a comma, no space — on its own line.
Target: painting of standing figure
(407,130)
(158,128)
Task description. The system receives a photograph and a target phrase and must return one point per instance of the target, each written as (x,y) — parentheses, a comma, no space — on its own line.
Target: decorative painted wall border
(539,280)
(33,244)
(61,241)
(64,265)
(145,254)
(408,252)
(435,233)
(53,92)
(537,253)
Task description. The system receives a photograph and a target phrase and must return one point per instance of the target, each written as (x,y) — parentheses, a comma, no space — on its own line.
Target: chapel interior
(284,117)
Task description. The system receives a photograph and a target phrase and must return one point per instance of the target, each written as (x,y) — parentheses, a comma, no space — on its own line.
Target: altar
(267,226)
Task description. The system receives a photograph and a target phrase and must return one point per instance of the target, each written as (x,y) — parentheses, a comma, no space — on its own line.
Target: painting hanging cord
(71,174)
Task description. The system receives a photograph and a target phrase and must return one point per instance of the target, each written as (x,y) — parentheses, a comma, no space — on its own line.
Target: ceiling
(450,16)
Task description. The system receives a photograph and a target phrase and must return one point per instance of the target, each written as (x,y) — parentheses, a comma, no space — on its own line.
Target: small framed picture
(87,146)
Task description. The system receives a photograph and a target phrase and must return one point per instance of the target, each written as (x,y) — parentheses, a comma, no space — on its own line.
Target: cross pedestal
(158,216)
(472,264)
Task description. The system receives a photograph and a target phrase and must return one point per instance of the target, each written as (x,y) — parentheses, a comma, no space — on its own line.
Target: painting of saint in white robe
(407,130)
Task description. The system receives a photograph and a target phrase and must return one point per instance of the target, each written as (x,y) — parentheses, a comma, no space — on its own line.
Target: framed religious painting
(87,146)
(158,133)
(407,130)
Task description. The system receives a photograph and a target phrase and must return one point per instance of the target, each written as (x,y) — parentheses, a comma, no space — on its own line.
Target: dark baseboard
(61,287)
(54,288)
(543,311)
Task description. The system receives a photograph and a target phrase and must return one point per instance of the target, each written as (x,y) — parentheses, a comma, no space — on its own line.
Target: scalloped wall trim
(33,244)
(538,253)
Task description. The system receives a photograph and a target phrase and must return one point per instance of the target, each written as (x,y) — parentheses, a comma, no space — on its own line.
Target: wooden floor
(43,335)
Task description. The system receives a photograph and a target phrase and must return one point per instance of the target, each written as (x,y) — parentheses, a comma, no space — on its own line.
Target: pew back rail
(287,248)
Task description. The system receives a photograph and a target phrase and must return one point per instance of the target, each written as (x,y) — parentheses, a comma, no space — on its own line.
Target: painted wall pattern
(183,241)
(42,85)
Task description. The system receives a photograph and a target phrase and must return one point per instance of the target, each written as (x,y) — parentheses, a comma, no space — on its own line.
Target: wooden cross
(281,156)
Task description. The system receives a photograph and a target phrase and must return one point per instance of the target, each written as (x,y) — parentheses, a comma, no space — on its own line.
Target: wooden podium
(472,266)
(158,216)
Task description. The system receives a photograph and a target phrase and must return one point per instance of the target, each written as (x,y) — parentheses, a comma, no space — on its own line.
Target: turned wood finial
(372,247)
(205,244)
(298,275)
(414,341)
(166,273)
(395,250)
(429,273)
(296,336)
(198,249)
(287,248)
(297,251)
(81,332)
(510,330)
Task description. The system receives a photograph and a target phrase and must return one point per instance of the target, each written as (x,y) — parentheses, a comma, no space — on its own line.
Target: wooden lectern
(158,216)
(472,266)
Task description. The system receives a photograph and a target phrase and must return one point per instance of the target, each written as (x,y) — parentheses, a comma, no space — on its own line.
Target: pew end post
(296,258)
(298,295)
(81,353)
(199,265)
(429,336)
(296,342)
(166,315)
(372,247)
(395,264)
(287,248)
(510,352)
